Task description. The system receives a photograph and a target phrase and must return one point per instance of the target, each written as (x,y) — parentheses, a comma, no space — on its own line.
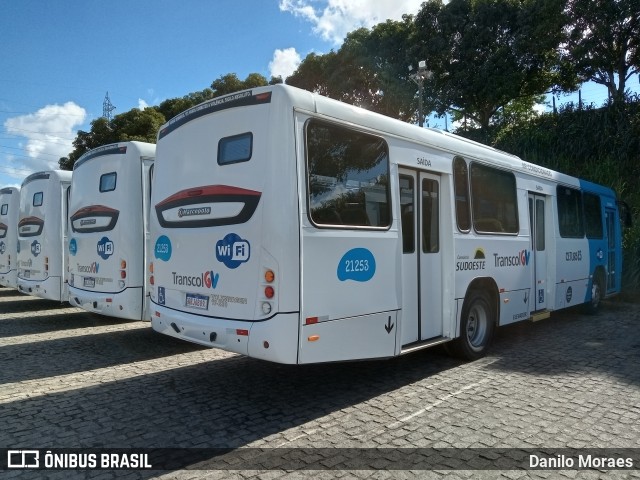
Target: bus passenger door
(538,251)
(421,256)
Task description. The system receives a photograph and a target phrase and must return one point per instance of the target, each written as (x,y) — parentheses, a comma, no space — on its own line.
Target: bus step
(412,347)
(541,315)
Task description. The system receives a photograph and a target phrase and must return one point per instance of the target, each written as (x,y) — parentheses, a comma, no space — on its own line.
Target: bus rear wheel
(476,328)
(597,289)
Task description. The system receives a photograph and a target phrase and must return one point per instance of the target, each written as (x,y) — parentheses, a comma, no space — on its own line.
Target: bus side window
(461,186)
(592,216)
(495,201)
(570,218)
(347,177)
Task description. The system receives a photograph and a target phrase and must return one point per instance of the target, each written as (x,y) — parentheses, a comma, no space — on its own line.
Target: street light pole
(419,77)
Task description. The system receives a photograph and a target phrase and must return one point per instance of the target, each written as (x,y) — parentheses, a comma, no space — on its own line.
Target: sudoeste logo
(36,248)
(73,246)
(233,251)
(105,248)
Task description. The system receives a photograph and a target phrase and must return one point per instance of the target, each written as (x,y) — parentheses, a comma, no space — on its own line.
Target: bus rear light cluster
(46,264)
(123,273)
(151,279)
(9,260)
(269,290)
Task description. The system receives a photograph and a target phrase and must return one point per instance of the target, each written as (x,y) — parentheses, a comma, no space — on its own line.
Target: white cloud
(142,104)
(284,62)
(333,19)
(49,135)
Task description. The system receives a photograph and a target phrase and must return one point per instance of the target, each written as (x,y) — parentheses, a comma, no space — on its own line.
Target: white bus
(9,206)
(108,219)
(298,229)
(42,235)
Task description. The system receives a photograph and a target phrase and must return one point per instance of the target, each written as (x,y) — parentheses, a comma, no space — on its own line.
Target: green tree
(369,70)
(485,54)
(604,42)
(230,83)
(100,134)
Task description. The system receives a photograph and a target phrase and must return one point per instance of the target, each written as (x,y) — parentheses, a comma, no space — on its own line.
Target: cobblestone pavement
(70,379)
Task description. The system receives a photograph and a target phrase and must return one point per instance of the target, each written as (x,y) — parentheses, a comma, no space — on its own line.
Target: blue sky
(59,58)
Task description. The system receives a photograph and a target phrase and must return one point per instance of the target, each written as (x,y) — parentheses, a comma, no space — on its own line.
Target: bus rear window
(108,182)
(235,149)
(37,199)
(5,209)
(348,177)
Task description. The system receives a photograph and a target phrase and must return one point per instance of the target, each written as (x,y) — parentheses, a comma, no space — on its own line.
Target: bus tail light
(269,276)
(46,264)
(151,280)
(269,292)
(151,267)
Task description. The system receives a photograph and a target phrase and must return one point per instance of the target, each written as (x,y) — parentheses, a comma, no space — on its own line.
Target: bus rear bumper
(275,339)
(9,279)
(127,304)
(49,289)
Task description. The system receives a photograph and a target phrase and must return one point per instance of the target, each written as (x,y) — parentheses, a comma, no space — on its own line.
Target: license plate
(27,274)
(89,282)
(197,301)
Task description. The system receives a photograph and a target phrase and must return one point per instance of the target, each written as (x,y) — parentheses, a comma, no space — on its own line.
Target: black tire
(597,294)
(477,324)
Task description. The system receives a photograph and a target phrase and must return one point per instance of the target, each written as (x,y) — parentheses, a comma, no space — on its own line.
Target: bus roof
(60,175)
(360,117)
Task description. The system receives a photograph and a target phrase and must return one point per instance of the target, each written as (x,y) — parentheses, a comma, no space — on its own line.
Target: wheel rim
(477,325)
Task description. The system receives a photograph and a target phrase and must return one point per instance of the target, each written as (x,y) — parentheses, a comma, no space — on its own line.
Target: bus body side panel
(605,253)
(10,207)
(349,293)
(41,235)
(107,238)
(576,259)
(218,228)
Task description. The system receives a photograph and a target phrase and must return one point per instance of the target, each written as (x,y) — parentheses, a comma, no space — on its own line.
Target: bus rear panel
(9,209)
(107,220)
(217,275)
(42,235)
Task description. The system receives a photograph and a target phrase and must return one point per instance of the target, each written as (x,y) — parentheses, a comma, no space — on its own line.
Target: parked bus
(9,206)
(108,217)
(297,229)
(42,235)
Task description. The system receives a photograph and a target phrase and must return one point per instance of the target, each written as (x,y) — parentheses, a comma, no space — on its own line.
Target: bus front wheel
(476,327)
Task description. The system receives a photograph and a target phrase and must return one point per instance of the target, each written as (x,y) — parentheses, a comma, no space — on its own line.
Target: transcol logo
(93,268)
(522,259)
(207,279)
(233,251)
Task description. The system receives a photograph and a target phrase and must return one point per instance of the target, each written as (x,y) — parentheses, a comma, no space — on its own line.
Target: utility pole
(107,107)
(418,78)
